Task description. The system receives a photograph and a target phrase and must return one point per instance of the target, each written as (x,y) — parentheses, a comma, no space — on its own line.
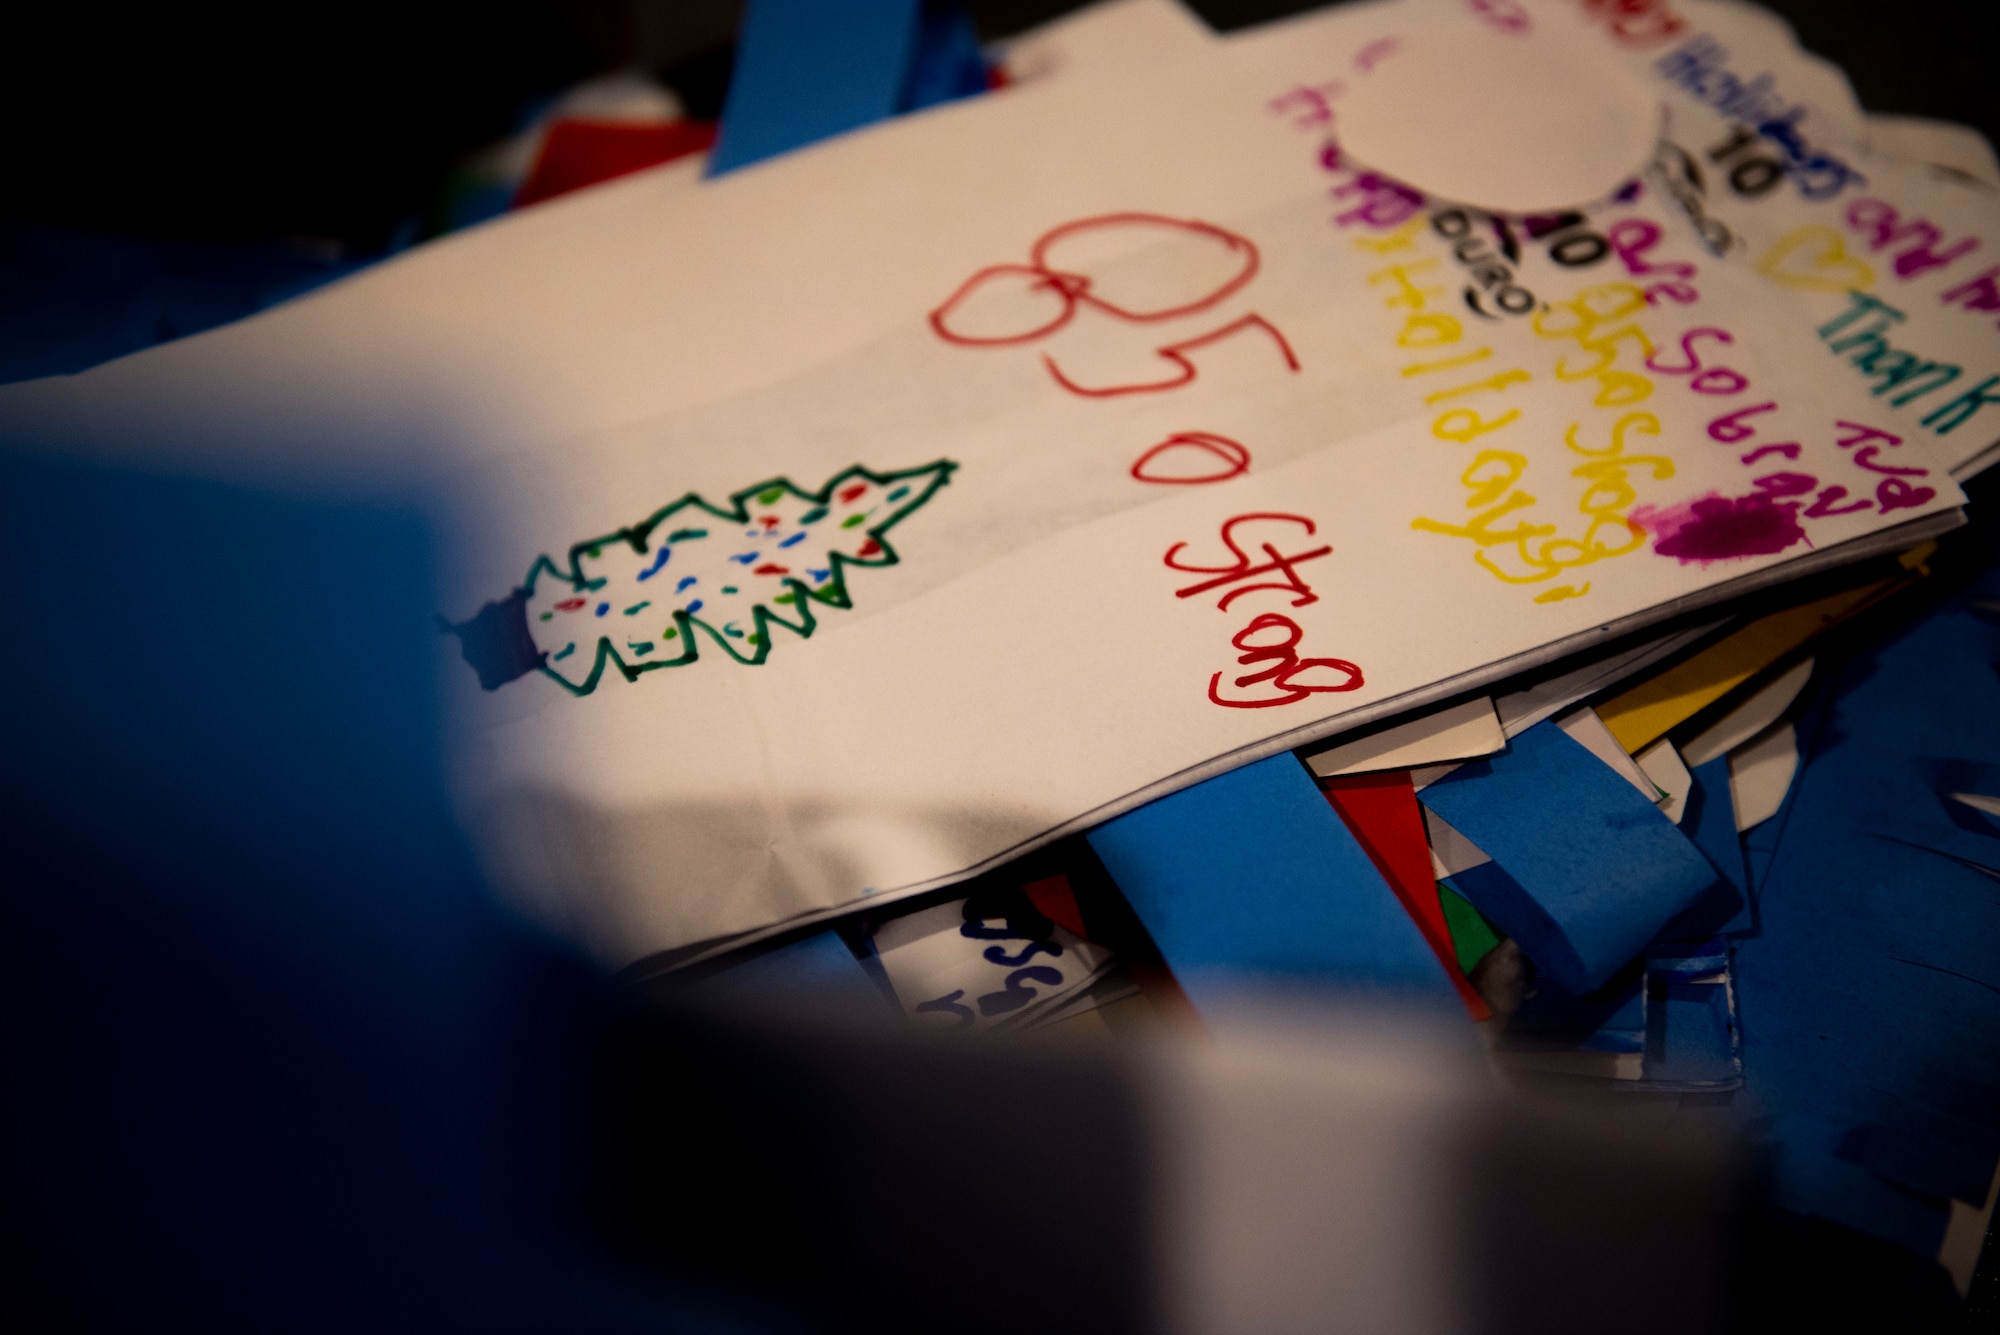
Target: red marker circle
(1233,458)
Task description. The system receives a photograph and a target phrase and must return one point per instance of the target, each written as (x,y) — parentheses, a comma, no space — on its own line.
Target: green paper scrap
(1472,937)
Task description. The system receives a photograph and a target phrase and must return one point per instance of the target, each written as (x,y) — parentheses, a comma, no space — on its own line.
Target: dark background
(338,123)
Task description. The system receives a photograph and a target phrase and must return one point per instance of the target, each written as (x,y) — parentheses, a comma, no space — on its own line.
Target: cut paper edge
(1582,906)
(1545,699)
(1451,852)
(1659,704)
(1424,777)
(1748,719)
(1587,730)
(1619,1066)
(1977,464)
(1958,149)
(1523,122)
(1523,709)
(1461,732)
(1965,1237)
(1630,661)
(1669,771)
(1381,811)
(1056,901)
(1761,773)
(1979,802)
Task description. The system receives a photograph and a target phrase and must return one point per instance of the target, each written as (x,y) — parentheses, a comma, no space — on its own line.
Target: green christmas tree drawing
(648,595)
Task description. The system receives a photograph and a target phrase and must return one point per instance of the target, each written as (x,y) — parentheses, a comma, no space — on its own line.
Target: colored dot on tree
(852,520)
(670,634)
(547,615)
(770,495)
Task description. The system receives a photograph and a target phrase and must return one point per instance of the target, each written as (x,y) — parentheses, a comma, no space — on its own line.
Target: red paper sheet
(578,153)
(1055,900)
(1382,813)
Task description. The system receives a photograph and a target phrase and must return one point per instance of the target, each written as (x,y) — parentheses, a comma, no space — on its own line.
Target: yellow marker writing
(1492,382)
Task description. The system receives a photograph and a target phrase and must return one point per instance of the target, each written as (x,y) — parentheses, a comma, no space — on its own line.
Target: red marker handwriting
(1004,305)
(1245,566)
(1286,670)
(1175,353)
(1069,287)
(1269,644)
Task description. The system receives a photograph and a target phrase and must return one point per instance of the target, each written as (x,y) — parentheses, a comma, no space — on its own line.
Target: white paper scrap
(969,973)
(1761,773)
(1965,1237)
(1451,852)
(1668,772)
(1458,733)
(1587,730)
(1581,1063)
(1522,710)
(1748,719)
(1490,117)
(1427,775)
(1979,802)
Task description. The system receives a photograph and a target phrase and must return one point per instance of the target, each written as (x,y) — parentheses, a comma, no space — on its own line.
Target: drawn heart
(1896,494)
(1815,259)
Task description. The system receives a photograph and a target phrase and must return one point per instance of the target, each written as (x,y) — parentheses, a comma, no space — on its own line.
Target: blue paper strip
(1691,1035)
(810,69)
(1595,869)
(1871,1021)
(1940,825)
(1808,1177)
(1611,1019)
(948,63)
(1709,819)
(1760,846)
(1926,1160)
(1253,876)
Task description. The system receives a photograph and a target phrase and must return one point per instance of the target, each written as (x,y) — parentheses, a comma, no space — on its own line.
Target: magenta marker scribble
(1721,528)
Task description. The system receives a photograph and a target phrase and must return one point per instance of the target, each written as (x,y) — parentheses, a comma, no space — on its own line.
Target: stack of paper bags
(1421,386)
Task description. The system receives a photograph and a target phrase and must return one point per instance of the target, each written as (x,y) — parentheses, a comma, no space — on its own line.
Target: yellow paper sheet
(1659,704)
